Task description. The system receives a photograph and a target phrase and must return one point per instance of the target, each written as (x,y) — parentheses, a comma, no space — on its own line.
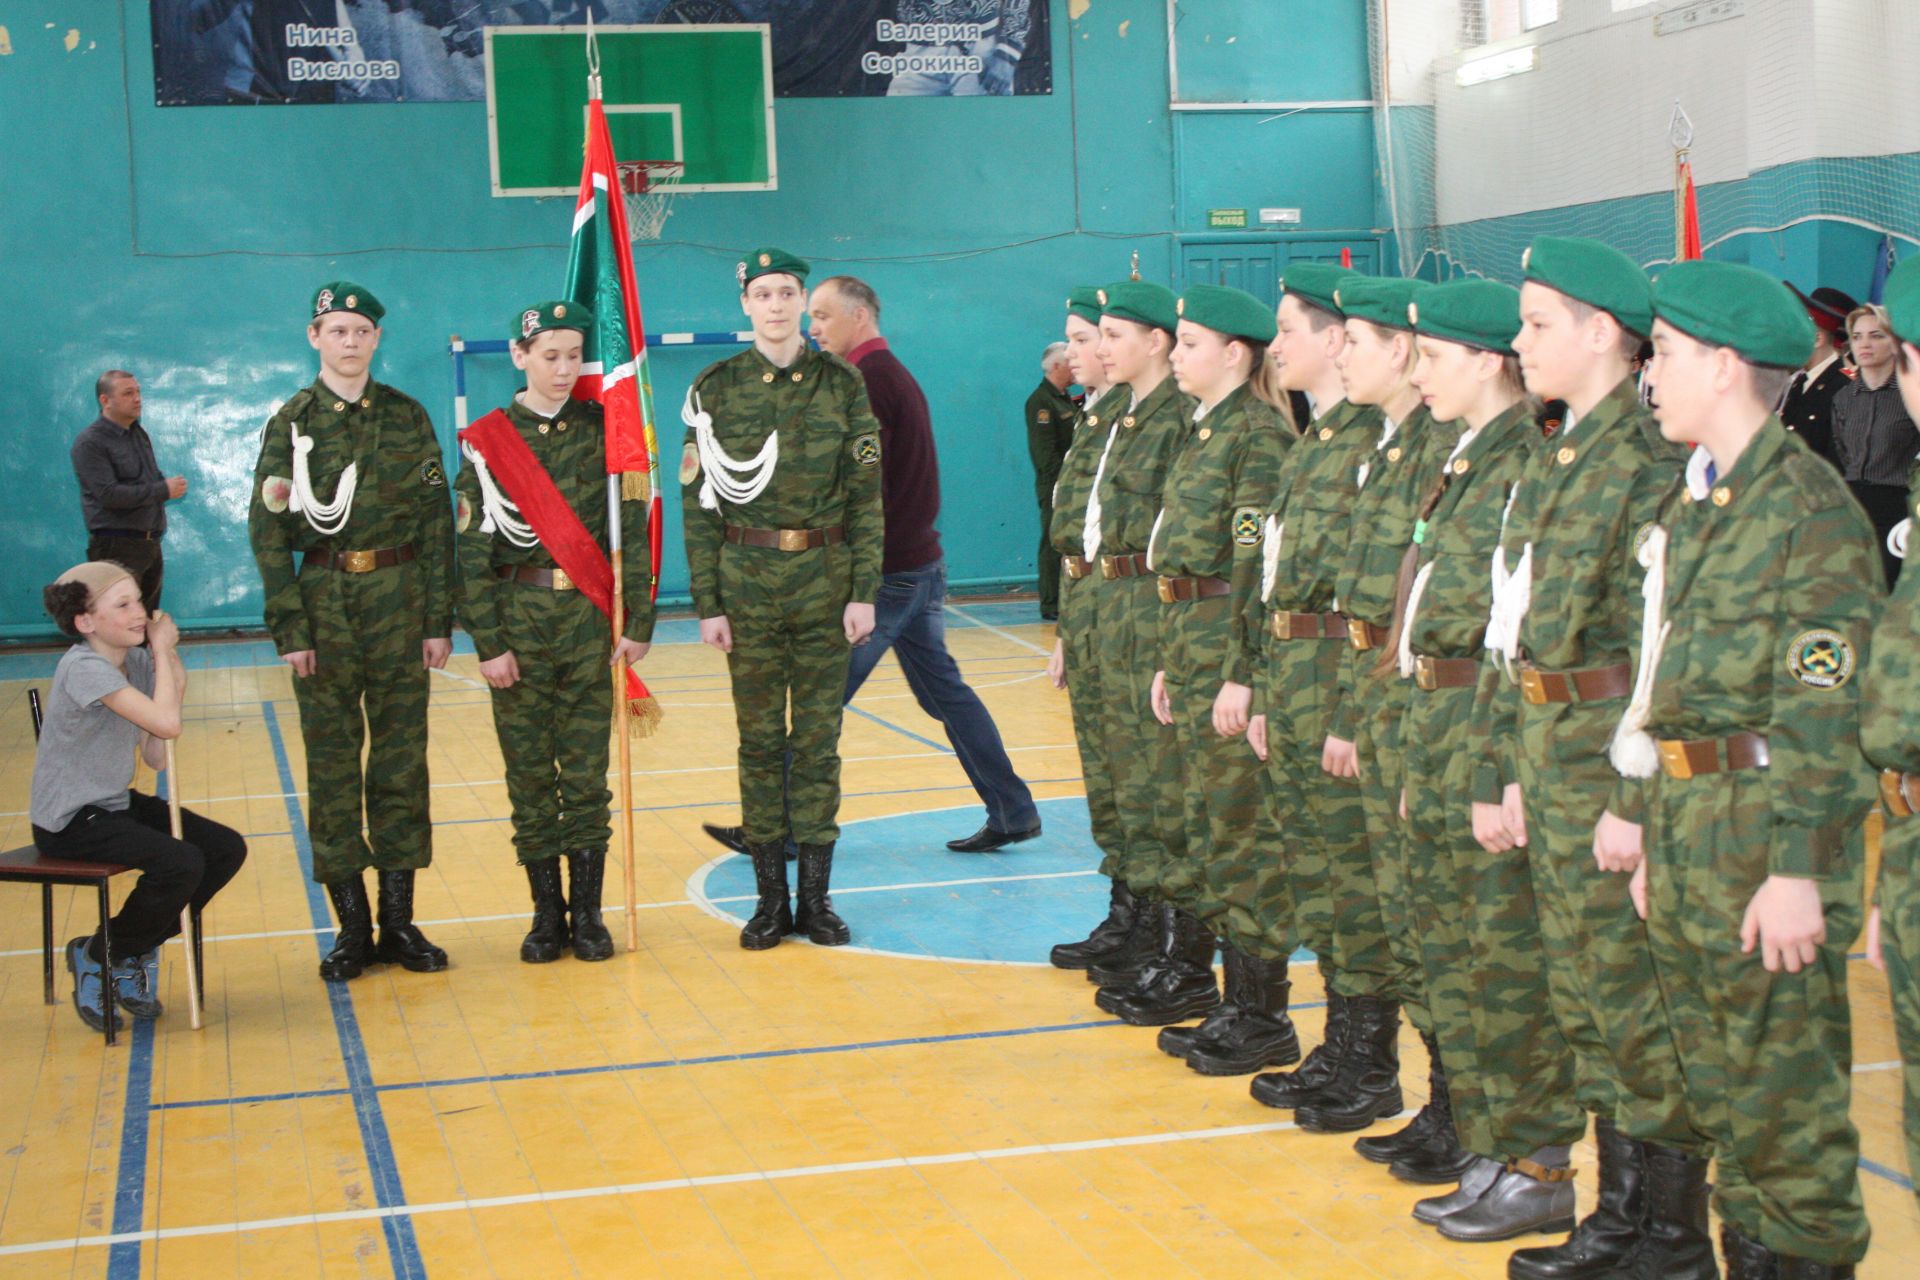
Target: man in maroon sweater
(909,613)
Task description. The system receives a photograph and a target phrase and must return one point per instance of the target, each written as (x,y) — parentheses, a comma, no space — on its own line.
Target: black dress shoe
(986,839)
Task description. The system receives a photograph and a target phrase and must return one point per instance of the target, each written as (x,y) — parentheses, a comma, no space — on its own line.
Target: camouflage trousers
(1379,703)
(1767,1057)
(1320,820)
(1899,899)
(553,722)
(1234,871)
(368,690)
(1600,978)
(1079,634)
(1140,753)
(1509,1070)
(789,669)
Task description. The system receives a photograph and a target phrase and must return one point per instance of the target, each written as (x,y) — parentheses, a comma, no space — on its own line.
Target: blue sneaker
(134,981)
(89,986)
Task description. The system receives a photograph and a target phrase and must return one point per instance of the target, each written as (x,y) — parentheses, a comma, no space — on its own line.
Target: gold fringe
(644,716)
(636,486)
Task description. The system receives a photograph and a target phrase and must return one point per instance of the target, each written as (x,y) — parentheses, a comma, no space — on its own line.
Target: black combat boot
(353,941)
(1437,1158)
(1263,1034)
(1178,1042)
(1388,1148)
(1748,1259)
(1145,941)
(548,936)
(1367,1086)
(1108,937)
(401,942)
(1674,1241)
(1290,1089)
(1808,1269)
(815,917)
(1183,985)
(586,874)
(1533,1194)
(773,916)
(1606,1237)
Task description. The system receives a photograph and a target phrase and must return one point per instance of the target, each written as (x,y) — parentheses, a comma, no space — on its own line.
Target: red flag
(1687,214)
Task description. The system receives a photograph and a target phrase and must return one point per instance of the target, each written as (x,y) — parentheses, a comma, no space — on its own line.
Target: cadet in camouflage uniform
(1548,700)
(349,476)
(1299,641)
(1890,733)
(1467,912)
(1205,547)
(543,645)
(780,486)
(1050,414)
(1761,586)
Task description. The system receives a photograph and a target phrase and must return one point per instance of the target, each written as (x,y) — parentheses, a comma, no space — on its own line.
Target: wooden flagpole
(621,729)
(186,913)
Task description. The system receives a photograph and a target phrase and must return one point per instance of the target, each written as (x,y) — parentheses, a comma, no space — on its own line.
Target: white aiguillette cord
(498,514)
(1270,557)
(1512,595)
(738,483)
(1632,750)
(327,518)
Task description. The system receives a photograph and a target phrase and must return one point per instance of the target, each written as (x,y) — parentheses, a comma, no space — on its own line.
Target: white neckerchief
(1568,423)
(720,475)
(1633,750)
(1388,428)
(1697,463)
(326,518)
(1090,535)
(1512,593)
(1199,411)
(498,514)
(1419,588)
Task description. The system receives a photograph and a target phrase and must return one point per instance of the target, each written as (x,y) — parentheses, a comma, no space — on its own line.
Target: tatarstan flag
(600,275)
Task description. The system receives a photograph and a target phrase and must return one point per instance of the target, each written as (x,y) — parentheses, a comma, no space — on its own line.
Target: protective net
(1501,120)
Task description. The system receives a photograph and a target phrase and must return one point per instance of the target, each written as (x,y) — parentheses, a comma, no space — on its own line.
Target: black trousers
(1886,506)
(174,874)
(141,556)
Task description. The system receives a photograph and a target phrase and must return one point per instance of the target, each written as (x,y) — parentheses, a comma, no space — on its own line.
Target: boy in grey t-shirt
(109,697)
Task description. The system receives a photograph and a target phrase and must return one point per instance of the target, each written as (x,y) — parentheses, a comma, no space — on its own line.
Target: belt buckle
(561,582)
(1423,673)
(1109,568)
(1532,688)
(793,539)
(1673,759)
(1164,585)
(359,561)
(1281,624)
(1074,567)
(1359,635)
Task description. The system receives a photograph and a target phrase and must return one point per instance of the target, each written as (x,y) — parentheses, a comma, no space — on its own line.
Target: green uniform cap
(1085,303)
(1726,304)
(345,295)
(542,316)
(1149,304)
(1232,312)
(1474,313)
(770,261)
(1597,274)
(1902,301)
(1381,300)
(1316,282)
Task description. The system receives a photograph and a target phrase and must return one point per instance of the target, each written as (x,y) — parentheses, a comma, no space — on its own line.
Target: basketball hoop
(649,187)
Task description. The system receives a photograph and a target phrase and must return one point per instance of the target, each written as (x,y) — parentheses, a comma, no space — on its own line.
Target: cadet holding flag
(366,613)
(780,488)
(1740,748)
(536,586)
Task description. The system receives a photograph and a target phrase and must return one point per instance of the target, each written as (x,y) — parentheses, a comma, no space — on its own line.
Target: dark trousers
(141,556)
(174,874)
(1049,565)
(1886,506)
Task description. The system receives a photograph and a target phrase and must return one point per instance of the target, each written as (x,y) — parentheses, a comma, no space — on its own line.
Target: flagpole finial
(1680,128)
(593,58)
(1135,272)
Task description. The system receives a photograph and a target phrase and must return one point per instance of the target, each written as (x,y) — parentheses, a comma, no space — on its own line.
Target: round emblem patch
(1820,659)
(462,513)
(1326,433)
(275,491)
(1246,527)
(766,259)
(689,463)
(1393,454)
(1565,455)
(432,475)
(866,450)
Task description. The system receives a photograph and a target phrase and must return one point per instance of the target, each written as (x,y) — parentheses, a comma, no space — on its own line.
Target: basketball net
(649,187)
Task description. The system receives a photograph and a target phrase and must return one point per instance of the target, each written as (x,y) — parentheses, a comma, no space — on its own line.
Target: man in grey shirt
(123,494)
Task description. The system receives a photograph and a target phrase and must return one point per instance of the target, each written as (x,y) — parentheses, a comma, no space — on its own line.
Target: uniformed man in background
(1051,413)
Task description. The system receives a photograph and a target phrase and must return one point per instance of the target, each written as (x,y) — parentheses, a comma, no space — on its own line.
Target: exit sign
(1226,218)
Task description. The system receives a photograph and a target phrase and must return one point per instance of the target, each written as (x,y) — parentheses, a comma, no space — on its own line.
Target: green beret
(1316,282)
(542,316)
(1902,301)
(1473,313)
(1381,300)
(1726,304)
(1597,274)
(1085,303)
(766,262)
(1233,313)
(345,295)
(1149,304)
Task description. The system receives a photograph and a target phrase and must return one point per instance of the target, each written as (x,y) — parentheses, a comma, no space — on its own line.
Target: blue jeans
(910,618)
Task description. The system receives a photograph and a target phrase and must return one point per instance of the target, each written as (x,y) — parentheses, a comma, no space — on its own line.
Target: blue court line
(130,1183)
(403,1247)
(1891,1175)
(905,733)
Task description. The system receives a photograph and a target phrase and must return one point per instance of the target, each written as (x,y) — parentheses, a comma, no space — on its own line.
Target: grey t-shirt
(86,748)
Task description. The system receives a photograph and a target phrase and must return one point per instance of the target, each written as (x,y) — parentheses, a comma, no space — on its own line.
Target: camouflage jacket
(1136,474)
(1095,422)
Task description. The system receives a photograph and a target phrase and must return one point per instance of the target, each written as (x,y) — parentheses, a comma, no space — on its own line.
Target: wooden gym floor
(934,1104)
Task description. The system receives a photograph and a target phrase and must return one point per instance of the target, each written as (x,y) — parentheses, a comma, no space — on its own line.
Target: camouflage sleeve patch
(1247,526)
(866,449)
(275,492)
(1821,659)
(689,463)
(431,475)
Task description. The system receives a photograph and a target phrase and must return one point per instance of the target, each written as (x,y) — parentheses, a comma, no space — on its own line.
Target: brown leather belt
(553,579)
(1900,792)
(1445,673)
(1130,565)
(1365,635)
(1685,760)
(1181,590)
(1307,626)
(785,539)
(361,561)
(1595,684)
(1076,567)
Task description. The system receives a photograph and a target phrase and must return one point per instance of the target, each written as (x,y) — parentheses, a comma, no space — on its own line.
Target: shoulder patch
(1247,526)
(1045,415)
(866,449)
(689,463)
(275,491)
(431,474)
(1821,659)
(462,513)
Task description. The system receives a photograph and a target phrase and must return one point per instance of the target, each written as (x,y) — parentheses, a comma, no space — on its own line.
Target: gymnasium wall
(183,243)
